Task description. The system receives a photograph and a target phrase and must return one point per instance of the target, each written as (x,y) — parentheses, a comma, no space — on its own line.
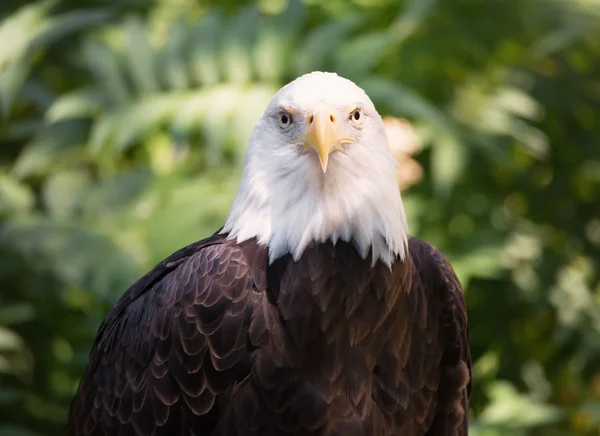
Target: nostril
(332,118)
(310,119)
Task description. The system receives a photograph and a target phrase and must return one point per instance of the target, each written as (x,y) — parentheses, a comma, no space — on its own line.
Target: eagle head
(318,167)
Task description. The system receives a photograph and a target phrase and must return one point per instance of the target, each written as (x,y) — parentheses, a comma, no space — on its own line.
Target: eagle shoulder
(176,340)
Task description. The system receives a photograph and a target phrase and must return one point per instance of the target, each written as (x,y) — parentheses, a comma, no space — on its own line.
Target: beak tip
(324,163)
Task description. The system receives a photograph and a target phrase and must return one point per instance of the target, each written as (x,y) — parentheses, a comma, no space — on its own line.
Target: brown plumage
(214,341)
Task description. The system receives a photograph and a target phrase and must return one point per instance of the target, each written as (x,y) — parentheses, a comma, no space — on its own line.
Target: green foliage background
(122,130)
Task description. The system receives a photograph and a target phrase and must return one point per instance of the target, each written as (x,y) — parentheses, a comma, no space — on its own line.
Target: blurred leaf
(275,41)
(72,254)
(52,143)
(11,80)
(479,262)
(592,411)
(222,114)
(188,217)
(21,29)
(554,42)
(64,192)
(106,67)
(448,161)
(236,48)
(321,44)
(405,101)
(114,194)
(15,197)
(31,29)
(140,56)
(362,53)
(142,117)
(205,47)
(66,24)
(411,18)
(16,313)
(9,340)
(173,59)
(18,27)
(514,410)
(77,104)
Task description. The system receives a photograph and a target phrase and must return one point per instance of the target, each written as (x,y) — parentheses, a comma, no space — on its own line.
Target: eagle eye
(356,116)
(284,119)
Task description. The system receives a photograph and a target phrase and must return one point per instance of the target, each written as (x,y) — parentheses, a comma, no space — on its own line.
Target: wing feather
(176,339)
(436,279)
(415,379)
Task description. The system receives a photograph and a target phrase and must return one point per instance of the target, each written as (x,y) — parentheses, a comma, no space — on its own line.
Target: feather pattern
(217,341)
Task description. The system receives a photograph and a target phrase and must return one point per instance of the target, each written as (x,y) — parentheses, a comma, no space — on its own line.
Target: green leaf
(52,144)
(592,410)
(37,94)
(77,104)
(72,254)
(448,161)
(106,66)
(236,48)
(406,102)
(11,81)
(222,102)
(414,13)
(227,119)
(23,129)
(517,102)
(555,42)
(116,194)
(173,58)
(16,313)
(481,262)
(322,43)
(205,46)
(9,340)
(363,53)
(142,117)
(140,56)
(186,219)
(20,29)
(513,409)
(31,30)
(103,131)
(15,197)
(64,192)
(275,42)
(65,25)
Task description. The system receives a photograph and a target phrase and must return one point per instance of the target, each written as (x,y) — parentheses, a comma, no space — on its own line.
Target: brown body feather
(214,341)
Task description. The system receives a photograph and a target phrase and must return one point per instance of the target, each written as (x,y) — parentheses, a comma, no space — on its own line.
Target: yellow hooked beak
(323,133)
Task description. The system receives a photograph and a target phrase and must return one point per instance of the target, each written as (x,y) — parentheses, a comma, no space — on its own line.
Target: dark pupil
(284,119)
(356,115)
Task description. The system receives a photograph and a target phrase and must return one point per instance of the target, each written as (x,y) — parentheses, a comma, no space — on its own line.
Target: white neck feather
(286,202)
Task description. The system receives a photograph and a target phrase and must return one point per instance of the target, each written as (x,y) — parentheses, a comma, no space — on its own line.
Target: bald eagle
(311,312)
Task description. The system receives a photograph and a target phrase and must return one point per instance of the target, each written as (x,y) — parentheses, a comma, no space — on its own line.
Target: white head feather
(287,201)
